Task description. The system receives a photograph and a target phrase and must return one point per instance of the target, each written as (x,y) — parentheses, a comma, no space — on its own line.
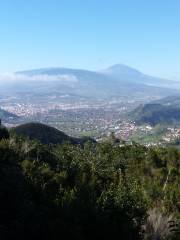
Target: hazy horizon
(91,35)
(20,75)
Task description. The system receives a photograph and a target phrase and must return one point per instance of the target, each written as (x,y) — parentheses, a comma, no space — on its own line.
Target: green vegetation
(94,191)
(46,134)
(6,115)
(155,114)
(170,101)
(4,134)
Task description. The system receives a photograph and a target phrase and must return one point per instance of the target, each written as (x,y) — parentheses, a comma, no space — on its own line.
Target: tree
(4,134)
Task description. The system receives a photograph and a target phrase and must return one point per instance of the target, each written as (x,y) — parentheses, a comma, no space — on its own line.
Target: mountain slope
(5,115)
(173,101)
(155,114)
(116,81)
(46,134)
(126,73)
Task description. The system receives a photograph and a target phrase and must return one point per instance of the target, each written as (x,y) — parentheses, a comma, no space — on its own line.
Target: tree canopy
(86,192)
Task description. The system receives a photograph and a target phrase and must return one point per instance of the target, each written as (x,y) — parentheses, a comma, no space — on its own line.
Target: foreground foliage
(96,191)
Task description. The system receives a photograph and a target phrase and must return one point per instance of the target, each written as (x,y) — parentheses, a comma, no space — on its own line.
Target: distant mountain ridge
(129,73)
(115,81)
(118,71)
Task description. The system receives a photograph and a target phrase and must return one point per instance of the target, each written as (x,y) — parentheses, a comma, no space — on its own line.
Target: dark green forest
(155,113)
(93,191)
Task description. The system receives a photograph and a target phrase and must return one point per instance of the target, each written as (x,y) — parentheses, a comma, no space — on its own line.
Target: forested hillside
(98,191)
(155,113)
(46,134)
(4,115)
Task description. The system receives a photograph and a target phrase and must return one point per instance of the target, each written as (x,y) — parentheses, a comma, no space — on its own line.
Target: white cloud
(16,77)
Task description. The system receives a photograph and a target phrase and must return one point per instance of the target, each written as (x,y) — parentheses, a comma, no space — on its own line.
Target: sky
(91,34)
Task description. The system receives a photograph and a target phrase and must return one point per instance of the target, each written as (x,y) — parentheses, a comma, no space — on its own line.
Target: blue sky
(91,34)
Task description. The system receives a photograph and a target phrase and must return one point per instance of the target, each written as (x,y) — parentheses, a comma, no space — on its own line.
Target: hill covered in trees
(155,113)
(102,191)
(46,134)
(170,101)
(5,115)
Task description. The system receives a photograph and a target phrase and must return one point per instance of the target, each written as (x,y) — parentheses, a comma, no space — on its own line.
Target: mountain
(155,113)
(126,73)
(46,134)
(117,81)
(173,101)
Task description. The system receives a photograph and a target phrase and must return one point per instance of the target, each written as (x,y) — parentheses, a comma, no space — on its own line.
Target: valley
(120,99)
(96,119)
